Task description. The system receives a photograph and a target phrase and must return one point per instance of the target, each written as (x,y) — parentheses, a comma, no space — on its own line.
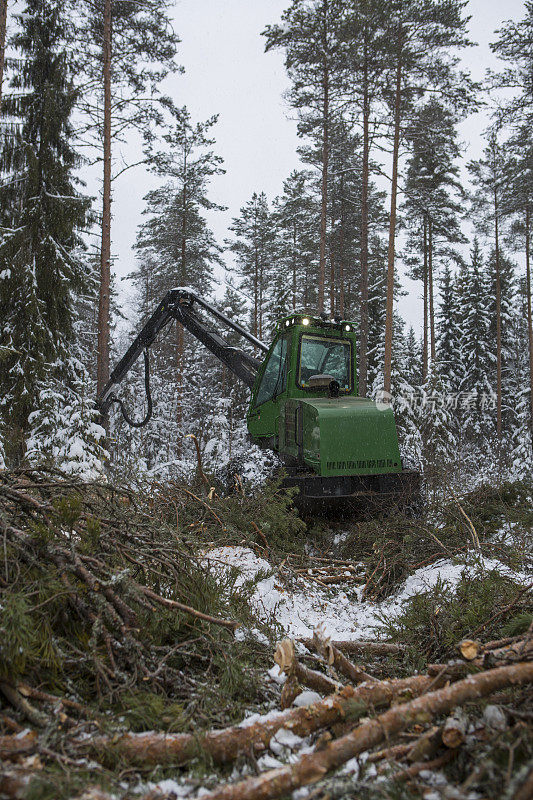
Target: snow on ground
(341,617)
(299,613)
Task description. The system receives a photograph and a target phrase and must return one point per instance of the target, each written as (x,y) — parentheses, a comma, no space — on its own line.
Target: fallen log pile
(104,601)
(351,720)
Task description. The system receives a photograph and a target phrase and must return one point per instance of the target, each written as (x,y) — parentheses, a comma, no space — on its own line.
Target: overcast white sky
(227,72)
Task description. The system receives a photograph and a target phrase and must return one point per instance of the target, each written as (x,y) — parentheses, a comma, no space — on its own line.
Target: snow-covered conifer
(43,267)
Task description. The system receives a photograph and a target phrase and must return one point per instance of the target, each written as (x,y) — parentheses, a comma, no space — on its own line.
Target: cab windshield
(323,356)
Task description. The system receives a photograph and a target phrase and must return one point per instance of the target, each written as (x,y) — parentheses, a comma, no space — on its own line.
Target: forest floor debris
(138,634)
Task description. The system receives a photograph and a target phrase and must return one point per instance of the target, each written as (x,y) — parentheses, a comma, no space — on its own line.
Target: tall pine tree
(125,50)
(431,206)
(310,36)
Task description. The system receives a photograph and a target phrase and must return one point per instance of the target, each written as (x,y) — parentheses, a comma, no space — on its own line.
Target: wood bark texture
(102,367)
(312,767)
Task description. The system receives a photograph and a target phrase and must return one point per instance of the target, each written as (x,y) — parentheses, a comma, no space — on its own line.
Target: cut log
(225,745)
(314,766)
(454,731)
(470,649)
(285,658)
(357,646)
(426,746)
(500,648)
(16,745)
(518,651)
(333,656)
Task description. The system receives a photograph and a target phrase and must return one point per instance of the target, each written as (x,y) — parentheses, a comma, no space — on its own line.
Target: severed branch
(19,702)
(231,624)
(434,764)
(333,656)
(454,730)
(285,658)
(356,647)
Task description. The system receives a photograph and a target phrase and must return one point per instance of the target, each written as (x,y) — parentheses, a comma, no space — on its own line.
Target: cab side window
(274,379)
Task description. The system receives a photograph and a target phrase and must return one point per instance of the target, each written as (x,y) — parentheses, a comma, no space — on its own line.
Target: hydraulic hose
(115,399)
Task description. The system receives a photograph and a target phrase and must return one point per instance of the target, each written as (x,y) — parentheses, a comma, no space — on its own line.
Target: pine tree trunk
(498,321)
(425,346)
(3,22)
(529,320)
(294,260)
(332,286)
(387,366)
(430,286)
(256,292)
(325,159)
(105,251)
(363,326)
(260,299)
(341,251)
(179,385)
(180,339)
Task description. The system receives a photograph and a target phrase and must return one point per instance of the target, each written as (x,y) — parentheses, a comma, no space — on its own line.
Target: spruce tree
(521,438)
(518,205)
(254,248)
(295,214)
(226,432)
(513,47)
(3,24)
(41,251)
(175,247)
(502,270)
(476,357)
(448,324)
(487,177)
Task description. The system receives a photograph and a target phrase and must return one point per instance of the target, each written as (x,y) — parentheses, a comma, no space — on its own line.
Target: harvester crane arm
(178,304)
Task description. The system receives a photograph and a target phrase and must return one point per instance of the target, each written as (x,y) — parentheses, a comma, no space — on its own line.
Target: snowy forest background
(379,92)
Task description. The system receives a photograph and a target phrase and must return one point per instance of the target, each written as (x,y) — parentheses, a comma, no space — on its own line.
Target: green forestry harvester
(304,403)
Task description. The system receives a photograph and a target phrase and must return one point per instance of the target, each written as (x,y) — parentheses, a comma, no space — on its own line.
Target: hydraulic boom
(178,305)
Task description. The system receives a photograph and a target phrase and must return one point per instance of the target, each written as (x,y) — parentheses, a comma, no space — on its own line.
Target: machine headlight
(287,323)
(347,327)
(306,321)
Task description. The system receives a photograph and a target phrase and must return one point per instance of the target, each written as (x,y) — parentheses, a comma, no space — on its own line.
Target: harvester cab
(304,401)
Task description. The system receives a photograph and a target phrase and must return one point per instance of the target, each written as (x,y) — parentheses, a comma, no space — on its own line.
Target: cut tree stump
(454,731)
